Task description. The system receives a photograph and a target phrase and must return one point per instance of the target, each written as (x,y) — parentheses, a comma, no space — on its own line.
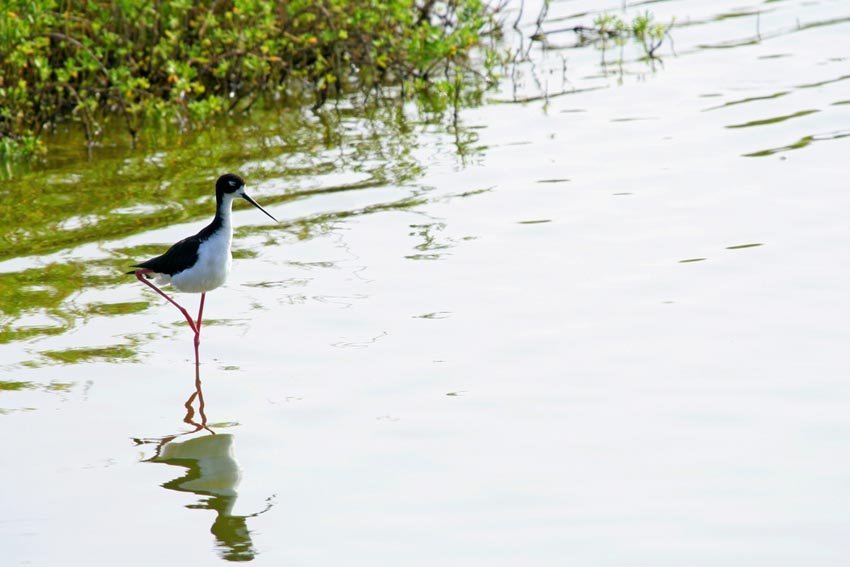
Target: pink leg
(198,325)
(201,312)
(140,276)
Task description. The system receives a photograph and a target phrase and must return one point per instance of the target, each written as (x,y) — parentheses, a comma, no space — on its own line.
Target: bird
(199,263)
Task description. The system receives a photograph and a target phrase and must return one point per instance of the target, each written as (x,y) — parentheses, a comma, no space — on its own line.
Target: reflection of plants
(293,156)
(112,353)
(71,208)
(44,295)
(55,387)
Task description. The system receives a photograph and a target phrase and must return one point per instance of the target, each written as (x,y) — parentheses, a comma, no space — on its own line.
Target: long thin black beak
(256,204)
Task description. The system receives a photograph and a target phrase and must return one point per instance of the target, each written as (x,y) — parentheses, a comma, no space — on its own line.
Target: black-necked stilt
(200,263)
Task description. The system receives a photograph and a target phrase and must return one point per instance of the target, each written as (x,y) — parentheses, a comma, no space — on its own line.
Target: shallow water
(602,321)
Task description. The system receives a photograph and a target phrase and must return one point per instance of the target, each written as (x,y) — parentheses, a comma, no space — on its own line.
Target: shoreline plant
(186,61)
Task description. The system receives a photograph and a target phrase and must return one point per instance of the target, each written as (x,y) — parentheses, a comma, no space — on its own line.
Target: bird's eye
(232,183)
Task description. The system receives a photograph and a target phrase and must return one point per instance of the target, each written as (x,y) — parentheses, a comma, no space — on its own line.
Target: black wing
(182,255)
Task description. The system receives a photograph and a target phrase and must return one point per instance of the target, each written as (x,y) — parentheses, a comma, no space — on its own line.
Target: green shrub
(188,60)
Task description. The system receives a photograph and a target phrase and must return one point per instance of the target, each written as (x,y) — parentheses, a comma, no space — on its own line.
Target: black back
(179,257)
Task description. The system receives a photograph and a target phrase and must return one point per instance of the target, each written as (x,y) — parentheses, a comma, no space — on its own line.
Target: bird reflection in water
(211,472)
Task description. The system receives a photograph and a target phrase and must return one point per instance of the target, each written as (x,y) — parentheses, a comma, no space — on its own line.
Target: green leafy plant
(649,33)
(186,61)
(609,27)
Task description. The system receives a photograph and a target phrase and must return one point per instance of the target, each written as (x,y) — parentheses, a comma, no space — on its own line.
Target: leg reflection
(211,472)
(197,395)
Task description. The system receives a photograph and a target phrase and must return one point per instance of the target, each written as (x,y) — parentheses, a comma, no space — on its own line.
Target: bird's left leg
(140,276)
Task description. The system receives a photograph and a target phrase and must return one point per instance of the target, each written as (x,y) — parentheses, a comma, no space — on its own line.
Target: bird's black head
(232,184)
(228,183)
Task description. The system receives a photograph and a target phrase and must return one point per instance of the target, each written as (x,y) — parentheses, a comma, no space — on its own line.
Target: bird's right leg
(140,273)
(200,316)
(198,327)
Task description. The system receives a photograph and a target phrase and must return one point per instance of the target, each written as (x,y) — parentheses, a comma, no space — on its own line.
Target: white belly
(212,267)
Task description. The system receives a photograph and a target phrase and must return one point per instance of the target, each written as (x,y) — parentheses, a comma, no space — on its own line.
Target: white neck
(224,212)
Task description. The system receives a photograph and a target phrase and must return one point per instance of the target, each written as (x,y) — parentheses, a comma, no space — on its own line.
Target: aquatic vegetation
(185,62)
(608,27)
